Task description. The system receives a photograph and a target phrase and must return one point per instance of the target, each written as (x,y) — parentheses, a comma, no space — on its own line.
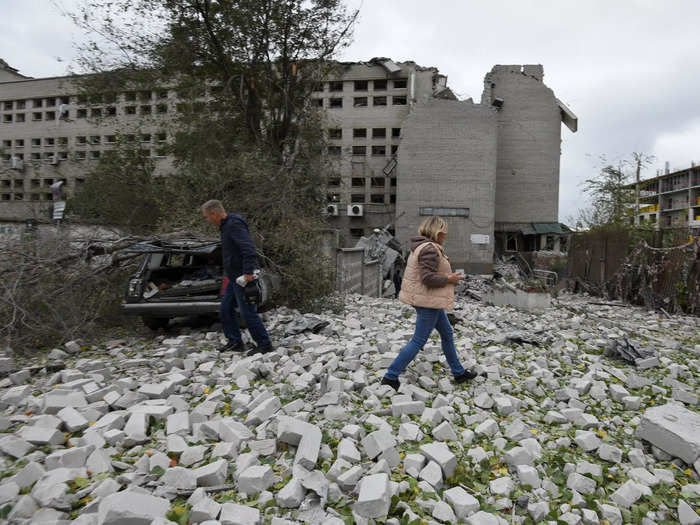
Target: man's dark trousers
(229,319)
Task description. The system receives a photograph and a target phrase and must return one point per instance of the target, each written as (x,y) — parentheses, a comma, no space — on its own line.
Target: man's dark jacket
(237,248)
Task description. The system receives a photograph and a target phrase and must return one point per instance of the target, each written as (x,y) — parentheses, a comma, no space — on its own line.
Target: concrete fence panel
(355,274)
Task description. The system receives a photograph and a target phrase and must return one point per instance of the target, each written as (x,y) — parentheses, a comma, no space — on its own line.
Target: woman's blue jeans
(428,318)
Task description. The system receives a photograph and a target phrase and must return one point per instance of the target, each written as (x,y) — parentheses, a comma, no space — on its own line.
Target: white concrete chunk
(73,420)
(442,455)
(674,429)
(463,503)
(255,479)
(131,507)
(291,495)
(212,474)
(234,514)
(375,496)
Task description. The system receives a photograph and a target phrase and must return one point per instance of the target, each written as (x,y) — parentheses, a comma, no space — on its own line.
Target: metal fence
(355,274)
(594,257)
(657,269)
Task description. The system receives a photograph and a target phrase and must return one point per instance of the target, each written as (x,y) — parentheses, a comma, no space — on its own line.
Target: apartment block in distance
(671,200)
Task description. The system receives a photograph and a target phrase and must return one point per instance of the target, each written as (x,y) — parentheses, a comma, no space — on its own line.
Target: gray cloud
(630,70)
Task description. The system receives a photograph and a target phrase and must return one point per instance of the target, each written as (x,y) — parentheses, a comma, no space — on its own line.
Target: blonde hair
(213,205)
(432,226)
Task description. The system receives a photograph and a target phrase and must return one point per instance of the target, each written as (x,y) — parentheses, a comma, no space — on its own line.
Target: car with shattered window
(182,277)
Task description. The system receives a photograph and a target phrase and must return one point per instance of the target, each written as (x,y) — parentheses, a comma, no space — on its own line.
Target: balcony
(675,205)
(678,187)
(675,224)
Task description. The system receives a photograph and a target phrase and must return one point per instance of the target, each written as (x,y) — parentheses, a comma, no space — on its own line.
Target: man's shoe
(264,349)
(393,383)
(468,375)
(233,347)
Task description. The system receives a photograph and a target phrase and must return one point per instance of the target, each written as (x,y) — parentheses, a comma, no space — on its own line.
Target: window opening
(361,85)
(360,102)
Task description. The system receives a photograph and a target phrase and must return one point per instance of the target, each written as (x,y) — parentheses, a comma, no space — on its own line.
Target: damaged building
(407,148)
(402,147)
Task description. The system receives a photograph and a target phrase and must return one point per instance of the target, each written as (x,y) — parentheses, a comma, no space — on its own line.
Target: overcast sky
(629,69)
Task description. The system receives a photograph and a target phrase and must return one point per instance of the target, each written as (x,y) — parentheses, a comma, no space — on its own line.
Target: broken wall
(529,137)
(447,159)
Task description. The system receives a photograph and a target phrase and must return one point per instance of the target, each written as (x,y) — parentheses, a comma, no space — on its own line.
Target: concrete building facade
(366,105)
(48,134)
(447,166)
(402,147)
(491,168)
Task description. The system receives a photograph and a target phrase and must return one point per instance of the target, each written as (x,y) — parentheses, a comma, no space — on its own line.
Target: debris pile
(168,429)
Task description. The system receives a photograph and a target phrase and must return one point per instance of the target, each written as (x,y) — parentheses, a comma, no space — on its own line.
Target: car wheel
(154,323)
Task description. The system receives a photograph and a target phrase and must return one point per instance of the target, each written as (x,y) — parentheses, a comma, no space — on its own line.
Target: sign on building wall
(480,238)
(445,212)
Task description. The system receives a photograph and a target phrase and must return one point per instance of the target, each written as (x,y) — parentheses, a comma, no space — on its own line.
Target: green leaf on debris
(5,511)
(179,514)
(158,470)
(80,483)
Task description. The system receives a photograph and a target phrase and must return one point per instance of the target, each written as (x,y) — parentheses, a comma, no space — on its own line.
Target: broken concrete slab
(134,508)
(375,496)
(672,428)
(305,436)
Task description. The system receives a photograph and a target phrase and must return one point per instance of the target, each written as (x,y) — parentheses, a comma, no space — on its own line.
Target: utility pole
(636,191)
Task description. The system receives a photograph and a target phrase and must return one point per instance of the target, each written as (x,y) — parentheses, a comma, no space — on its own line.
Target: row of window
(9,118)
(361,151)
(359,133)
(361,182)
(361,102)
(146,95)
(49,102)
(105,98)
(83,140)
(76,155)
(65,114)
(362,85)
(361,198)
(34,183)
(21,196)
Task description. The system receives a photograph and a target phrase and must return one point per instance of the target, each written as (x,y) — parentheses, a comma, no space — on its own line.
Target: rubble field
(167,429)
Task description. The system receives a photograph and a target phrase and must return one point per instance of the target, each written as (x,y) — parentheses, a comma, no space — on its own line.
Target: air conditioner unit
(355,210)
(332,209)
(17,164)
(54,160)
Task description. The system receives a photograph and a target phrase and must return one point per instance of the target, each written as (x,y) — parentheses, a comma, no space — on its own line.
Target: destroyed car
(182,277)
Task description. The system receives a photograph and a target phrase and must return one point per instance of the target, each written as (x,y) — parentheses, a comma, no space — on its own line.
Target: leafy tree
(612,194)
(119,191)
(246,131)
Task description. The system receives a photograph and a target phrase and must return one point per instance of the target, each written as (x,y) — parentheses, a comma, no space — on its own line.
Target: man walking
(239,258)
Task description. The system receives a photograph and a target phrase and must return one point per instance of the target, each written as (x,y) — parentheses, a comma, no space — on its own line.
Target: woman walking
(428,286)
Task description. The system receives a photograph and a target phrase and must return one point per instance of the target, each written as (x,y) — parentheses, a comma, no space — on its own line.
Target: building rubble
(147,430)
